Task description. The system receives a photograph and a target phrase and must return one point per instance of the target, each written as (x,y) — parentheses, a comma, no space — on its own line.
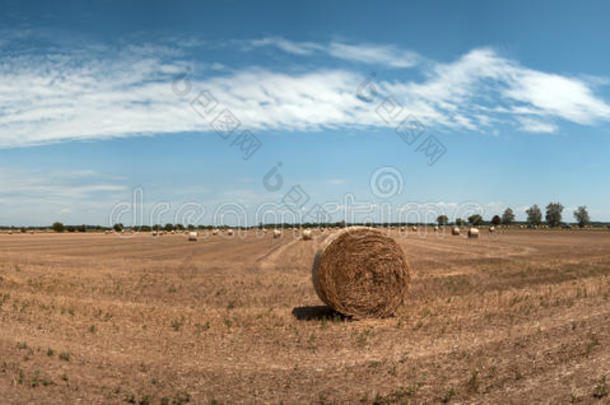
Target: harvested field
(512,317)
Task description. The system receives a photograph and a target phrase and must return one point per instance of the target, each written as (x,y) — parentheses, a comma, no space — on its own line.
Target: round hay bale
(473,233)
(193,236)
(455,231)
(10,232)
(492,229)
(358,271)
(154,233)
(436,229)
(276,233)
(414,228)
(230,232)
(214,231)
(306,234)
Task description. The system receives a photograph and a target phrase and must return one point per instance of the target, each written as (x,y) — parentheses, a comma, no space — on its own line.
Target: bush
(58,227)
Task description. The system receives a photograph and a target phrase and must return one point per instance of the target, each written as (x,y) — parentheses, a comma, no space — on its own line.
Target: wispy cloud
(98,92)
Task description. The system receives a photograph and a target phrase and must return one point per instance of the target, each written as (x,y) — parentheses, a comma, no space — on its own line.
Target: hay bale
(492,229)
(359,271)
(230,232)
(455,231)
(414,228)
(214,232)
(473,233)
(276,233)
(436,229)
(193,236)
(306,234)
(10,232)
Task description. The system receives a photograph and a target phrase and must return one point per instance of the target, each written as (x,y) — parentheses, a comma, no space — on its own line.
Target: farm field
(517,316)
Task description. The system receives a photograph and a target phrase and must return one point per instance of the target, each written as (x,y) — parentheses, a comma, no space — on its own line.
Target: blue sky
(410,110)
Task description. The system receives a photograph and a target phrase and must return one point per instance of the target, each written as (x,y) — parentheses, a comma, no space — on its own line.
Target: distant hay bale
(10,232)
(436,229)
(455,231)
(358,271)
(414,228)
(276,233)
(193,236)
(473,233)
(230,232)
(492,229)
(154,233)
(403,229)
(306,234)
(214,231)
(173,232)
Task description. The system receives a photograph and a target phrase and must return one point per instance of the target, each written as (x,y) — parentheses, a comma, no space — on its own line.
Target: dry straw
(360,272)
(193,236)
(306,234)
(473,233)
(276,233)
(455,231)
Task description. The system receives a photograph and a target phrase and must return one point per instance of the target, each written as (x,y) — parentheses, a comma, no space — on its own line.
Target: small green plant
(177,324)
(65,356)
(601,389)
(50,352)
(448,395)
(92,328)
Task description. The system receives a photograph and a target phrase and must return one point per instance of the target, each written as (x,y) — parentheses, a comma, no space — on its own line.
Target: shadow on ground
(317,313)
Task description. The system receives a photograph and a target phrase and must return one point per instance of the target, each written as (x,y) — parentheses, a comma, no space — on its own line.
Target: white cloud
(99,93)
(534,125)
(385,55)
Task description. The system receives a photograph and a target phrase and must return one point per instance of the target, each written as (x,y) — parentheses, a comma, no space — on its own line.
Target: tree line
(553,217)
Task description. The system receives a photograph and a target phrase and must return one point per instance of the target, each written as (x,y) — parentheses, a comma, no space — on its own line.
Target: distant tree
(496,220)
(71,228)
(442,220)
(156,227)
(553,214)
(169,227)
(475,219)
(582,216)
(179,227)
(82,228)
(23,230)
(118,227)
(534,215)
(459,222)
(191,227)
(58,227)
(508,217)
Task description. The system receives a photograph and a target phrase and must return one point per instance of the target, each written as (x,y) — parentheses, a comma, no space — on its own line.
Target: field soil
(517,316)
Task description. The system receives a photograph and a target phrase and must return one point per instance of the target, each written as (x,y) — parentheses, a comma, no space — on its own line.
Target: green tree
(118,227)
(508,217)
(442,220)
(582,216)
(191,227)
(475,219)
(459,222)
(58,227)
(496,220)
(553,214)
(169,227)
(534,215)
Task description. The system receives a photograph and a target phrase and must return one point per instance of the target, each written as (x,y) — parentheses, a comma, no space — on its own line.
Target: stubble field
(517,316)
